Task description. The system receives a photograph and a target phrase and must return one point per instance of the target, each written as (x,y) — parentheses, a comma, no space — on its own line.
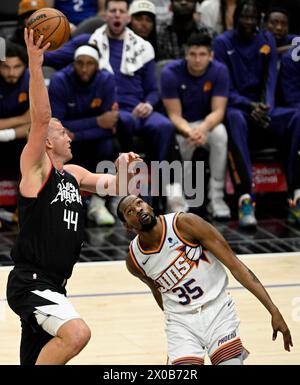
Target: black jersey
(51,226)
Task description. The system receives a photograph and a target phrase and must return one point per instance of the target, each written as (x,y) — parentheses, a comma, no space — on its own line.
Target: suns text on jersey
(174,273)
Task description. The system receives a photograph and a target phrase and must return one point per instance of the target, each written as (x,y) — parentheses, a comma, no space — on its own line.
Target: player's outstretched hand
(35,50)
(128,157)
(279,325)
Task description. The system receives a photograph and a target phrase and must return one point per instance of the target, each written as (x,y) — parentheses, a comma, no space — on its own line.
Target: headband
(87,50)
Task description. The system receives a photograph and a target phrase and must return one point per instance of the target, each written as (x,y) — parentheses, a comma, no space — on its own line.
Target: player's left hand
(126,168)
(279,325)
(128,158)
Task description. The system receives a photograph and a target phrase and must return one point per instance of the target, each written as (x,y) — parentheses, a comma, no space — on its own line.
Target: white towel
(136,51)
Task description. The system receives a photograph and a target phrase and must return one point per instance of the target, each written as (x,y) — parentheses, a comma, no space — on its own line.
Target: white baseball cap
(142,6)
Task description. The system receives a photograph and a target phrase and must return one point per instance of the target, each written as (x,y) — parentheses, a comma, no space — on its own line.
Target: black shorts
(21,299)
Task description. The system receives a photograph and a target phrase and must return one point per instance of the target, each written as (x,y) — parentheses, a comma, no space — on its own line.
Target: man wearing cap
(131,59)
(143,20)
(25,10)
(143,23)
(83,98)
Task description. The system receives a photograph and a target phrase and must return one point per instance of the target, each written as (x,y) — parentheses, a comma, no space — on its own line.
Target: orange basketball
(52,24)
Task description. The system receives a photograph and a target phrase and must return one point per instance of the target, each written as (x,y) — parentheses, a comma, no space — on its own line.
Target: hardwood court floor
(127,325)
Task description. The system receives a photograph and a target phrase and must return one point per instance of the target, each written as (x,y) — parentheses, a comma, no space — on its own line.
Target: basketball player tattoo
(254,277)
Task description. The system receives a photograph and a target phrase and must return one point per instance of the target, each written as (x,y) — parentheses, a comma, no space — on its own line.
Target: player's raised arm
(40,111)
(106,184)
(192,226)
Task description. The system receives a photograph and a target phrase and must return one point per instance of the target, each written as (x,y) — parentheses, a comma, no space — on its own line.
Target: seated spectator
(131,59)
(291,6)
(289,79)
(195,93)
(172,35)
(83,98)
(14,114)
(63,56)
(251,58)
(217,14)
(25,9)
(277,22)
(14,109)
(143,20)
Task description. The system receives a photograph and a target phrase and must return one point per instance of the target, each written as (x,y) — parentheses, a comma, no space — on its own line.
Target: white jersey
(187,275)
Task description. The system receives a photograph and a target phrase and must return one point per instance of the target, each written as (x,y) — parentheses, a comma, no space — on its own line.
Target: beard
(85,83)
(149,226)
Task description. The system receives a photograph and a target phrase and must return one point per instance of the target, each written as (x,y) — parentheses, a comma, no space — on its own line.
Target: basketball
(52,24)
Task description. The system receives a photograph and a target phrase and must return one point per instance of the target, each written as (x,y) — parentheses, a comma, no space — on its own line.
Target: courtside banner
(267,177)
(8,192)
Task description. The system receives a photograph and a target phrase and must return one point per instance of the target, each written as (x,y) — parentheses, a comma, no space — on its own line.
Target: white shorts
(212,329)
(52,317)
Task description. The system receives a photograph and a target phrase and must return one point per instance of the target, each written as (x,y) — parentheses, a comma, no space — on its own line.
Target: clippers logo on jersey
(187,258)
(67,193)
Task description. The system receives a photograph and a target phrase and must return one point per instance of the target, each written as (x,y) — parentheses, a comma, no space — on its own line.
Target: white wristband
(7,135)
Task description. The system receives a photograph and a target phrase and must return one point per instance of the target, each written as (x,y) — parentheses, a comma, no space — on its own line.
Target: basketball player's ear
(212,55)
(48,143)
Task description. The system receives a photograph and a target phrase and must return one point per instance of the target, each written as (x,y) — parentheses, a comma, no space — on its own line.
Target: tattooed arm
(194,229)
